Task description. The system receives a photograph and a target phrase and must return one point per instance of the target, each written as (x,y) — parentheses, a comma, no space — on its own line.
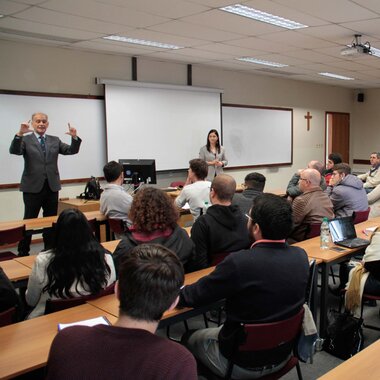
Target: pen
(365,232)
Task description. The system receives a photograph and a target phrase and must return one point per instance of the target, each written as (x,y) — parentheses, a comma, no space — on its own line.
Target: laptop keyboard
(354,243)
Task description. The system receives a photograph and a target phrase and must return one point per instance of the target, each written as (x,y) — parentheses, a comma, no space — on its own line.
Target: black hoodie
(222,229)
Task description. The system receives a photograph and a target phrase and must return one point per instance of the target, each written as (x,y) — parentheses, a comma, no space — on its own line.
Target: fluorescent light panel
(261,62)
(243,10)
(336,76)
(142,42)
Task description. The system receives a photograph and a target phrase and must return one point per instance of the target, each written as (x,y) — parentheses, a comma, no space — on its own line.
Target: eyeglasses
(303,179)
(248,217)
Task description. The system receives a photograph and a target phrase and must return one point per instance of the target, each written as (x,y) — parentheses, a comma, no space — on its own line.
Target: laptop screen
(342,229)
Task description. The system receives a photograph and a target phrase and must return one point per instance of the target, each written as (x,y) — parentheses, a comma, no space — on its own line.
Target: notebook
(343,233)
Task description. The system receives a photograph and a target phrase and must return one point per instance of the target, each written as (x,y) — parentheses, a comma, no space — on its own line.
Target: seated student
(196,190)
(149,283)
(365,277)
(77,265)
(293,190)
(311,206)
(372,178)
(374,202)
(115,202)
(253,186)
(154,220)
(8,296)
(333,159)
(346,191)
(265,283)
(223,228)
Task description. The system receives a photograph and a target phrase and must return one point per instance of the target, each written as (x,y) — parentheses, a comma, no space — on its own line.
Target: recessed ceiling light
(243,10)
(142,42)
(336,76)
(261,62)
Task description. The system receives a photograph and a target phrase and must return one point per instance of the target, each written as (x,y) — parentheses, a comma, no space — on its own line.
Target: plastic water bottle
(325,234)
(205,207)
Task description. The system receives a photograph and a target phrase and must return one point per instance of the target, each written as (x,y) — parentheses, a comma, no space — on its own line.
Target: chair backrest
(12,235)
(65,303)
(177,184)
(266,336)
(7,317)
(360,216)
(116,225)
(310,281)
(217,258)
(313,230)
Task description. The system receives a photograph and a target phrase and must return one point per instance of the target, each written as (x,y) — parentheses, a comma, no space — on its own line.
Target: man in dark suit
(40,180)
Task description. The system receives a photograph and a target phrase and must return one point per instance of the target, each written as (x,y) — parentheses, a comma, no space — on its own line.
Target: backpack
(92,189)
(344,335)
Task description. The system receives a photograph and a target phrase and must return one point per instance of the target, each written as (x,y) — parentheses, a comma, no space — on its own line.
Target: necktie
(43,146)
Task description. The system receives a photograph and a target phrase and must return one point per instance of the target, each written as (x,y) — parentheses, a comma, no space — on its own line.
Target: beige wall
(27,67)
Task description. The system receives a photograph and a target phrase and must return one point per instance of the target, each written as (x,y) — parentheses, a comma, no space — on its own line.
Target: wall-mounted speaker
(360,97)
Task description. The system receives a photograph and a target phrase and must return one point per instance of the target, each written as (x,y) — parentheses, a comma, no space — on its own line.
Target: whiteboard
(85,114)
(257,136)
(163,122)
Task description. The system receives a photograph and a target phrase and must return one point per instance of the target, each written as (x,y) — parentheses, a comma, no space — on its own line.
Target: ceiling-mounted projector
(357,47)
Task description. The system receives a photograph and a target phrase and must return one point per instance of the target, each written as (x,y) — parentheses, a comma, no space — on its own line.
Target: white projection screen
(163,122)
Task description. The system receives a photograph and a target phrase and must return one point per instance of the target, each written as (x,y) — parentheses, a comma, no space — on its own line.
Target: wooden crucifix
(308,117)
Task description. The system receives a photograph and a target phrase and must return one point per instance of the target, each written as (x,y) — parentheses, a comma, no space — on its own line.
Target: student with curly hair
(77,265)
(154,220)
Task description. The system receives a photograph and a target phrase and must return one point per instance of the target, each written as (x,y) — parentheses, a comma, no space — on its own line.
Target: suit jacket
(38,168)
(204,154)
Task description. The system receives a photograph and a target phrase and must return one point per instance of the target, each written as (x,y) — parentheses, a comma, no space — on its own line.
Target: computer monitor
(139,171)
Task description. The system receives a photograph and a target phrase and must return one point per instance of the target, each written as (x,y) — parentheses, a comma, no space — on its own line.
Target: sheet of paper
(87,322)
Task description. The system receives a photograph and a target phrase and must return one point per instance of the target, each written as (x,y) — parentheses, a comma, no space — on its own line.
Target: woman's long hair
(217,143)
(77,257)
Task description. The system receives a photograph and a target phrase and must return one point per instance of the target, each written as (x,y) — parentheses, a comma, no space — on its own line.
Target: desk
(16,272)
(329,258)
(84,205)
(25,345)
(364,365)
(110,303)
(28,261)
(36,225)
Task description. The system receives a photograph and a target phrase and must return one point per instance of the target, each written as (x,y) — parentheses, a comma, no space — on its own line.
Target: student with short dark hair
(264,283)
(150,280)
(346,191)
(333,159)
(115,202)
(197,189)
(253,186)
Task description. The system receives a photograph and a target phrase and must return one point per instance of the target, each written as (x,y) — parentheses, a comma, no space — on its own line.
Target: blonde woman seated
(77,265)
(365,277)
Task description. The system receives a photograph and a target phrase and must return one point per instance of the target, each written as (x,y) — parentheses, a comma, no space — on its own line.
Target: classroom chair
(179,184)
(281,335)
(65,303)
(370,298)
(360,216)
(11,236)
(117,227)
(7,317)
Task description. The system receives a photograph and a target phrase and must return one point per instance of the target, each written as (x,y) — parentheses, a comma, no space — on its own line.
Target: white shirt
(115,202)
(196,194)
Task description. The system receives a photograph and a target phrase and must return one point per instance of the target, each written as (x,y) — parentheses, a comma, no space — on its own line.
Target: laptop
(343,233)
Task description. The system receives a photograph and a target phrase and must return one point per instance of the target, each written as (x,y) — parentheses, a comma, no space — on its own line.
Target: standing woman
(214,154)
